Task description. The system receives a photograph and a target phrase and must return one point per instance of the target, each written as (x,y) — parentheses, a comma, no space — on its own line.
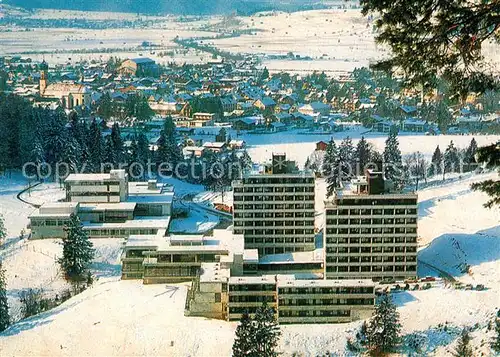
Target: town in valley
(241,182)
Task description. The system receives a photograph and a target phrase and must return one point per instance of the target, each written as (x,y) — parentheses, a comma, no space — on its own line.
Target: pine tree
(347,163)
(489,156)
(71,155)
(392,159)
(264,75)
(463,348)
(105,108)
(109,154)
(3,230)
(139,156)
(451,160)
(37,157)
(78,251)
(495,344)
(222,136)
(383,332)
(430,39)
(4,307)
(246,161)
(117,144)
(243,345)
(95,147)
(470,154)
(331,167)
(436,167)
(168,150)
(315,161)
(362,155)
(267,332)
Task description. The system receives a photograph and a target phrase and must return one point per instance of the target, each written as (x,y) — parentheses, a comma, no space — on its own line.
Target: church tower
(44,68)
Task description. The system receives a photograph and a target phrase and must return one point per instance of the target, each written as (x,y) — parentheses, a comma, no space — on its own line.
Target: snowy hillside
(126,318)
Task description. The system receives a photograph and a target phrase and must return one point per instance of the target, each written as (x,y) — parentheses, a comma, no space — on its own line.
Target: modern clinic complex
(272,253)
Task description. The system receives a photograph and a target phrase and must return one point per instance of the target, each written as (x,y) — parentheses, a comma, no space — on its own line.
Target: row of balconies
(322,307)
(359,210)
(320,296)
(274,217)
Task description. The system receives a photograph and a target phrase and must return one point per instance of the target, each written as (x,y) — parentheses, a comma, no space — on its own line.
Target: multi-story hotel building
(274,209)
(370,232)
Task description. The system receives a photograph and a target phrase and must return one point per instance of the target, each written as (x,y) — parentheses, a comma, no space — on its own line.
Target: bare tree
(417,166)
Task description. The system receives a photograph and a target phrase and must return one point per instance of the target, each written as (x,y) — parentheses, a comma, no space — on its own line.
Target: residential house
(315,108)
(138,67)
(266,104)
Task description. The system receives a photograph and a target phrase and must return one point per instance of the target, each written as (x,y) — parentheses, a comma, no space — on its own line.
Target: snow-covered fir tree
(95,147)
(4,307)
(347,161)
(451,160)
(436,167)
(246,161)
(392,159)
(117,144)
(489,156)
(331,167)
(78,251)
(168,151)
(243,345)
(362,155)
(469,155)
(495,343)
(139,156)
(267,332)
(464,348)
(314,161)
(383,330)
(3,230)
(71,154)
(37,157)
(109,154)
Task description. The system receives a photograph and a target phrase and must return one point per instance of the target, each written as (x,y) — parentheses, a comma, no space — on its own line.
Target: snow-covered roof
(314,256)
(140,222)
(290,281)
(97,207)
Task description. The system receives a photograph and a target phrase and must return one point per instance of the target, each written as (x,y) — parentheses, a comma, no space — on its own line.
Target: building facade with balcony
(274,209)
(371,233)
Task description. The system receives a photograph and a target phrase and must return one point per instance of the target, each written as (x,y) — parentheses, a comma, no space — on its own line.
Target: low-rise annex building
(215,293)
(178,258)
(108,206)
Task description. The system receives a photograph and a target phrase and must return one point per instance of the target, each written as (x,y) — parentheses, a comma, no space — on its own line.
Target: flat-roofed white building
(51,218)
(108,207)
(97,188)
(177,258)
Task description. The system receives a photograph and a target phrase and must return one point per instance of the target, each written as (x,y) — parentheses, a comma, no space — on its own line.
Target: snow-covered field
(299,146)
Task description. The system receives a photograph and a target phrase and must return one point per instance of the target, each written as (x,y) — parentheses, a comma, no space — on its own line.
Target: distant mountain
(183,7)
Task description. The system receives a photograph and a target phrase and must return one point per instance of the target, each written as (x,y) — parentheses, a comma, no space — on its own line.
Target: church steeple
(44,68)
